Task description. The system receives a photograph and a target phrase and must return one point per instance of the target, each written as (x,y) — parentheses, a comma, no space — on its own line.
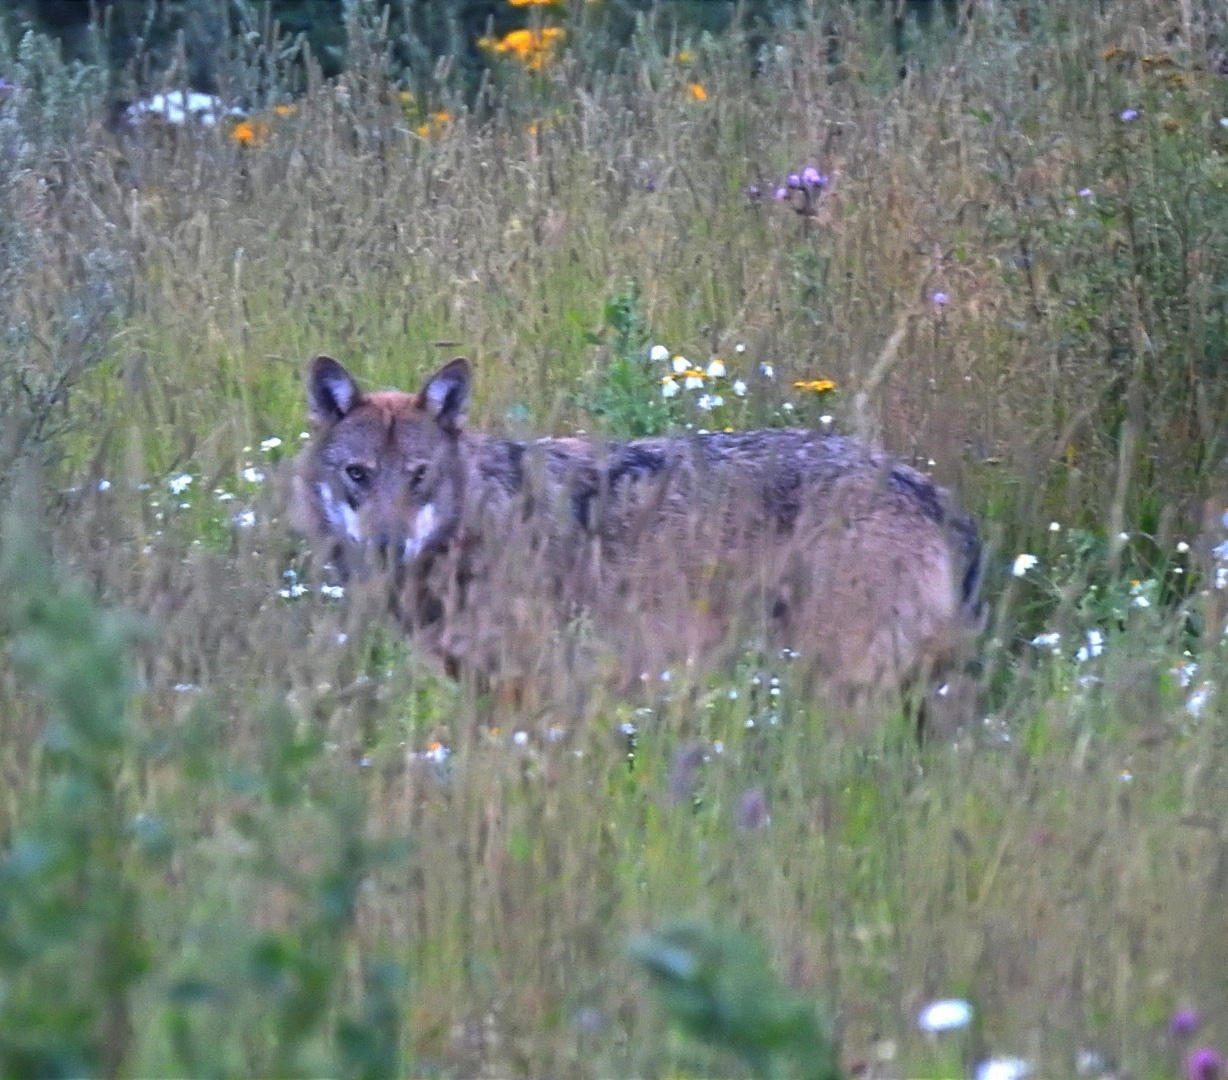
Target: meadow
(247,831)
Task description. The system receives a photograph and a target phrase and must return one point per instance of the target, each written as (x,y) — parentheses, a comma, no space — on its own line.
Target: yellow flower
(698,92)
(817,386)
(250,132)
(285,110)
(685,56)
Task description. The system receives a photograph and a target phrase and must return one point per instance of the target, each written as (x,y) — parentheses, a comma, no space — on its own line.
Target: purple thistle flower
(650,185)
(1129,114)
(753,191)
(793,180)
(780,193)
(1085,193)
(1184,1022)
(1204,1064)
(940,298)
(752,811)
(811,177)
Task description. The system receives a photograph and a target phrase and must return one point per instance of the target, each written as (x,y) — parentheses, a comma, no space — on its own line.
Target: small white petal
(658,354)
(739,388)
(1197,701)
(947,1015)
(1182,547)
(271,443)
(680,364)
(716,369)
(1055,526)
(1003,1069)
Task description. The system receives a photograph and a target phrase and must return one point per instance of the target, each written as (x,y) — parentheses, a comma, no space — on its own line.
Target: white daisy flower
(1023,563)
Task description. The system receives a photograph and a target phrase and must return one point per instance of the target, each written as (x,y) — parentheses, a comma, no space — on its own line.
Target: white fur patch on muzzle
(340,514)
(422,528)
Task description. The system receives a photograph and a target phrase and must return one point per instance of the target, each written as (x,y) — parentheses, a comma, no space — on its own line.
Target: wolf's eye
(358,474)
(416,476)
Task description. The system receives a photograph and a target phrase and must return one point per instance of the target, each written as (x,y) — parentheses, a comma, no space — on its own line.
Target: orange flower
(250,132)
(815,386)
(698,92)
(530,47)
(285,110)
(434,124)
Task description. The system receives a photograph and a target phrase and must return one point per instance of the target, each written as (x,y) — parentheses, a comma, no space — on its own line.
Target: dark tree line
(420,31)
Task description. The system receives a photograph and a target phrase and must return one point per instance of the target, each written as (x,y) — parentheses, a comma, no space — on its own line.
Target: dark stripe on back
(922,490)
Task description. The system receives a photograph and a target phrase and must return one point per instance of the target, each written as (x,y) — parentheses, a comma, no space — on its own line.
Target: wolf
(680,549)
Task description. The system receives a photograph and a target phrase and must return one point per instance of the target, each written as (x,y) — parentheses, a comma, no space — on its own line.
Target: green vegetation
(245,829)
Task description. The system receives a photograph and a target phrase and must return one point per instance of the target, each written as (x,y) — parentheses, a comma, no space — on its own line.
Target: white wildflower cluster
(683,374)
(178,108)
(940,1018)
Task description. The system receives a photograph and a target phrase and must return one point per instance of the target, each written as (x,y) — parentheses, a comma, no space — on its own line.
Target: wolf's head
(383,472)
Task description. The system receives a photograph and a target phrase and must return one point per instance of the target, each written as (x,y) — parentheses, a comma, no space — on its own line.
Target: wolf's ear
(331,391)
(446,394)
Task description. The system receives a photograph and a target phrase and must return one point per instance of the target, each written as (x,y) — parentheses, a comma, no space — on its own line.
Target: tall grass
(1014,271)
